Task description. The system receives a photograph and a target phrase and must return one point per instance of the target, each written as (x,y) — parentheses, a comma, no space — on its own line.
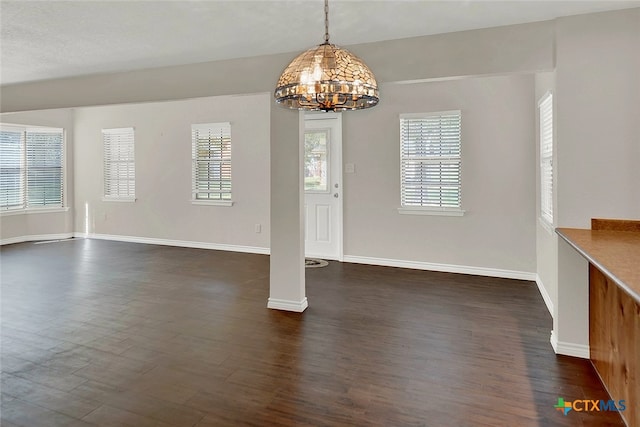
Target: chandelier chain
(326,21)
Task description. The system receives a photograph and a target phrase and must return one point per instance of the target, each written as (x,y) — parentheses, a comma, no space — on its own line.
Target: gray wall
(598,111)
(163,209)
(597,150)
(498,172)
(598,145)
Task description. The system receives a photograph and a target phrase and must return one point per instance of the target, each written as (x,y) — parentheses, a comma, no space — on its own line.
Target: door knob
(335,195)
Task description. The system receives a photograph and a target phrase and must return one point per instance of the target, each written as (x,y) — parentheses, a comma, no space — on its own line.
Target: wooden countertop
(615,253)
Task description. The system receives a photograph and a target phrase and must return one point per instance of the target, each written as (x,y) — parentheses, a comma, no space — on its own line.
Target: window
(211,155)
(546,158)
(31,167)
(430,158)
(316,151)
(119,164)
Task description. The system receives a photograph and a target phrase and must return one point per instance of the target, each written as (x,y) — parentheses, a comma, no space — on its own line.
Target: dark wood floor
(108,333)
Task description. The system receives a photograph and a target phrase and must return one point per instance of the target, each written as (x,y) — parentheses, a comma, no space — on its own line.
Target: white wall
(163,209)
(498,177)
(598,111)
(19,227)
(598,146)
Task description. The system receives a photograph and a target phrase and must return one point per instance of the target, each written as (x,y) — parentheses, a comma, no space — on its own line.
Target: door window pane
(316,164)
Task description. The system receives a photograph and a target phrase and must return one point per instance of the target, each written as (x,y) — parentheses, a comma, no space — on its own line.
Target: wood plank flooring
(122,334)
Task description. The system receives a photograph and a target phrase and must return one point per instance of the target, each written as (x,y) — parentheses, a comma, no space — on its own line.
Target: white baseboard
(446,268)
(545,295)
(179,243)
(35,238)
(569,349)
(287,305)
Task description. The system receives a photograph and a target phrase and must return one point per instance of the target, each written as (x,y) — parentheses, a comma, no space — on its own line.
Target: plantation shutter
(44,167)
(31,167)
(119,163)
(11,169)
(546,158)
(431,160)
(211,154)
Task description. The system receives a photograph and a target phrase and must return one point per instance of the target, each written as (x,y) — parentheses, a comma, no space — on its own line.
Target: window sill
(119,199)
(431,211)
(212,202)
(31,211)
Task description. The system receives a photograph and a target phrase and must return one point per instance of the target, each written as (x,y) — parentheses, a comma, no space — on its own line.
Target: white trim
(179,243)
(212,202)
(287,305)
(26,129)
(554,341)
(545,295)
(544,97)
(118,199)
(339,176)
(546,139)
(447,268)
(546,225)
(429,114)
(31,211)
(430,159)
(216,133)
(321,115)
(15,127)
(35,238)
(569,349)
(116,139)
(430,211)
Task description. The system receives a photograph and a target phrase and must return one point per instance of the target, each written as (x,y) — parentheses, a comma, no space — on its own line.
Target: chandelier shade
(327,78)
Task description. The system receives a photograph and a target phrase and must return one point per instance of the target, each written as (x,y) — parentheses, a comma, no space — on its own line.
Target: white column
(286,281)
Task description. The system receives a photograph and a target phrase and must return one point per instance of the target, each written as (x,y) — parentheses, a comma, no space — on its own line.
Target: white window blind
(211,154)
(31,167)
(546,158)
(119,164)
(430,155)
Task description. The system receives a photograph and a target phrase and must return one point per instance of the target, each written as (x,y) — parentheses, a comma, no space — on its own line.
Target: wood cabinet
(612,248)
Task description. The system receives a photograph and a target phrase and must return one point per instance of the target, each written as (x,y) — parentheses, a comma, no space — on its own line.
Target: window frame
(118,197)
(425,209)
(24,207)
(546,148)
(225,129)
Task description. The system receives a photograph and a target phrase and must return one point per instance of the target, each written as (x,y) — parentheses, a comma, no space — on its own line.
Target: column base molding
(288,305)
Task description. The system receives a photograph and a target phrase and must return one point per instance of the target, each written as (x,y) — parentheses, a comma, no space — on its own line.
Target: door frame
(335,157)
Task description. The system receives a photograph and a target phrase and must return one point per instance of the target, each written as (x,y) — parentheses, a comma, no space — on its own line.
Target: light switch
(349,168)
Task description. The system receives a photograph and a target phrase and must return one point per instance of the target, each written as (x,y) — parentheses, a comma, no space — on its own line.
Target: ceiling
(41,40)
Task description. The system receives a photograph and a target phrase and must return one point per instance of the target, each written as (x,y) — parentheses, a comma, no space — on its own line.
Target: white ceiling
(49,39)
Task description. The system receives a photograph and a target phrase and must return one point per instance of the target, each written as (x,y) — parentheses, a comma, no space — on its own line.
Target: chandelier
(327,78)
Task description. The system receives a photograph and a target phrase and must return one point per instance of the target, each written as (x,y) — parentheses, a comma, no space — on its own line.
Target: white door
(323,185)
